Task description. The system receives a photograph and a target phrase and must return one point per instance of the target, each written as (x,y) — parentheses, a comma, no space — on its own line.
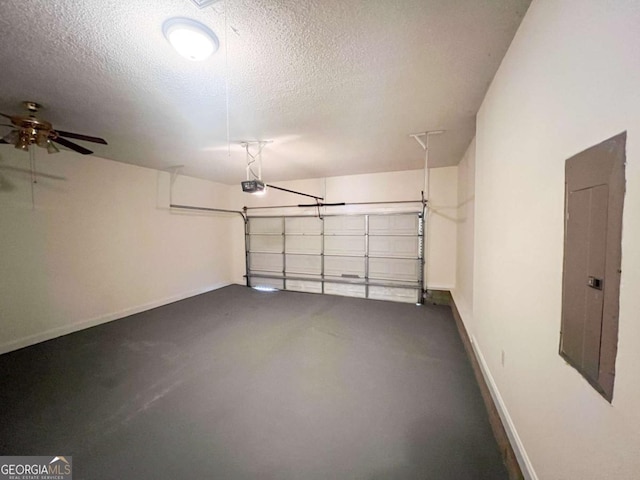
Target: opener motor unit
(252,186)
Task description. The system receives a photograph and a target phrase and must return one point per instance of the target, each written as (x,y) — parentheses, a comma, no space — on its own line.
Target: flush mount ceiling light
(191,39)
(204,3)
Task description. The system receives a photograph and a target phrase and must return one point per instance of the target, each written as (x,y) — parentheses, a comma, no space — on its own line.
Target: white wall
(463,291)
(441,241)
(101,244)
(375,187)
(571,79)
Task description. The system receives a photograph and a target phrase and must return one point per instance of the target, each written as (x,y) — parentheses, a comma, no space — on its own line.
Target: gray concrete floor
(239,384)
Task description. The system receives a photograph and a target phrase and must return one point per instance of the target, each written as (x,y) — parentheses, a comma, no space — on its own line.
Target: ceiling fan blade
(73,146)
(2,140)
(78,136)
(6,116)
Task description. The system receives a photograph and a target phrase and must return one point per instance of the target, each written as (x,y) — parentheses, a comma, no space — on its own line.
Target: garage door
(366,255)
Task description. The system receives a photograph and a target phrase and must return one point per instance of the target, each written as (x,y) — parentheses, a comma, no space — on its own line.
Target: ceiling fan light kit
(23,141)
(51,148)
(191,39)
(30,130)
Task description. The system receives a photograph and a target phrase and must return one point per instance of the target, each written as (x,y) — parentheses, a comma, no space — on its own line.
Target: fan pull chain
(34,179)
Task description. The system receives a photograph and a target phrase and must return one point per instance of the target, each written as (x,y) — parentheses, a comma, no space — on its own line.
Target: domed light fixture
(191,39)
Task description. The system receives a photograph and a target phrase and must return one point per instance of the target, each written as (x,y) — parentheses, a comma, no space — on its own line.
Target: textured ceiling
(337,85)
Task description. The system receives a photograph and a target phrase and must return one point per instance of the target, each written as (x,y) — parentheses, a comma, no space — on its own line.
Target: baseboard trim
(518,448)
(513,453)
(447,288)
(92,322)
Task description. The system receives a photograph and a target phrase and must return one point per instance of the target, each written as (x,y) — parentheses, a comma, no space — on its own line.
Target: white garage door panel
(406,247)
(345,225)
(393,225)
(304,286)
(364,255)
(267,282)
(266,243)
(304,264)
(303,225)
(303,244)
(265,262)
(265,225)
(394,294)
(337,266)
(394,269)
(344,245)
(344,290)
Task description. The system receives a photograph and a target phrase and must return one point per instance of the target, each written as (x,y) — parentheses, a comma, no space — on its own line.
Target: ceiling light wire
(226,76)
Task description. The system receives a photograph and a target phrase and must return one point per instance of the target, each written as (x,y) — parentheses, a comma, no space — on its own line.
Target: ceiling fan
(31,130)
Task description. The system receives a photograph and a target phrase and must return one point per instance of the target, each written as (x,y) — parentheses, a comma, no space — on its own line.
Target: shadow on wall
(13,176)
(6,185)
(438,210)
